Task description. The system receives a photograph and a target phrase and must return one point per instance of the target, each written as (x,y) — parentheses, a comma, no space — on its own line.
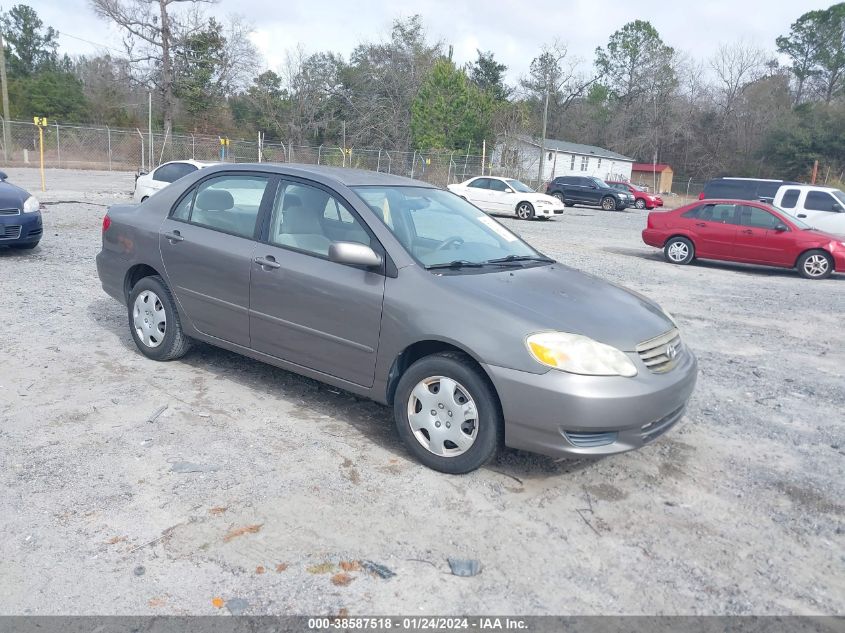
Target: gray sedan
(396,290)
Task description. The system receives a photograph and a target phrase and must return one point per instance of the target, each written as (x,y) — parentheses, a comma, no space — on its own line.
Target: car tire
(425,377)
(525,211)
(816,264)
(24,247)
(679,250)
(569,204)
(640,203)
(608,203)
(149,300)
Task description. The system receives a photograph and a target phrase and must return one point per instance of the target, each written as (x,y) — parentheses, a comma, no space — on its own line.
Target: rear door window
(790,198)
(228,203)
(720,213)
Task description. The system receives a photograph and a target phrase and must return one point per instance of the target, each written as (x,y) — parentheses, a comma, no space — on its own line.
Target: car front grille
(10,211)
(590,439)
(10,232)
(661,353)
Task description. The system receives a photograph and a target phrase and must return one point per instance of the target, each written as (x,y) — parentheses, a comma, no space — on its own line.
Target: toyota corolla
(399,291)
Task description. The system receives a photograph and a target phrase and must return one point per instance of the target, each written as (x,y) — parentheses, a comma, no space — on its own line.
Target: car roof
(329,175)
(812,187)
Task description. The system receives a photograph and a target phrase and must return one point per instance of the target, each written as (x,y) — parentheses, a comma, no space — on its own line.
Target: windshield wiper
(458,263)
(519,258)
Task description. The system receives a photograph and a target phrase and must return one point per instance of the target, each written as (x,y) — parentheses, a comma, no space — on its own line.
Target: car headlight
(578,354)
(31,205)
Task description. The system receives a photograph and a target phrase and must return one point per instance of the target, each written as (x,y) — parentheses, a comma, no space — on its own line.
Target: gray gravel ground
(253,485)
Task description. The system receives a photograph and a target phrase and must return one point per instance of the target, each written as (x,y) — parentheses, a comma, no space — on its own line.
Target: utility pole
(5,89)
(150,127)
(543,142)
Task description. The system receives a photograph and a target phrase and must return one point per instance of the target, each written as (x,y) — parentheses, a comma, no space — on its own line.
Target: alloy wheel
(443,416)
(523,211)
(816,265)
(640,203)
(608,204)
(678,251)
(149,319)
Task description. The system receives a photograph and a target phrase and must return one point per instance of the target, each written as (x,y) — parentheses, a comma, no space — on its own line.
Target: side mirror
(780,228)
(3,175)
(836,206)
(353,254)
(594,186)
(508,190)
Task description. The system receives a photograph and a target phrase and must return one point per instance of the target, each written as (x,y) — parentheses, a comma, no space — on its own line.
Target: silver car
(399,291)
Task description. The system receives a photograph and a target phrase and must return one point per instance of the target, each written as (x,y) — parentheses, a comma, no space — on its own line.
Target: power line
(82,39)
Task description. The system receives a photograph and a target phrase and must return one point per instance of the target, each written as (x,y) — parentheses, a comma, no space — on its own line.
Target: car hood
(558,297)
(12,196)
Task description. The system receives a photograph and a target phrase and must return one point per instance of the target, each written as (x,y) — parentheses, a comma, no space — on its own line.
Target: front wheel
(608,203)
(815,265)
(447,414)
(679,250)
(559,196)
(524,211)
(154,321)
(640,203)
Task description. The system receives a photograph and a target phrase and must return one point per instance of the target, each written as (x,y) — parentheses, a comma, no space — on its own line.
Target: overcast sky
(513,31)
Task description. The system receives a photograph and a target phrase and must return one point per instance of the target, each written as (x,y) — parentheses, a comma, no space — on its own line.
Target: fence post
(688,186)
(413,163)
(143,164)
(290,152)
(319,152)
(389,162)
(378,162)
(449,170)
(58,148)
(193,147)
(108,134)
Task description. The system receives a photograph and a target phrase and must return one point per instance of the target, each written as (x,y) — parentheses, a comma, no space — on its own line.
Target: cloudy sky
(514,31)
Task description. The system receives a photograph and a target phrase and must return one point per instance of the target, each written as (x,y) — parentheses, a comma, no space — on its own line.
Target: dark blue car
(20,216)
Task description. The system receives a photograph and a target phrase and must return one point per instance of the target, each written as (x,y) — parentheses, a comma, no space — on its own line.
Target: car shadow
(319,403)
(745,269)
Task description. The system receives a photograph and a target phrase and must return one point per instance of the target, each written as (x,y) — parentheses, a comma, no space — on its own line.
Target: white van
(822,208)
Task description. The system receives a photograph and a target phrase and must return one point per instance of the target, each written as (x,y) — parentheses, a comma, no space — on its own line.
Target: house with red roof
(656,176)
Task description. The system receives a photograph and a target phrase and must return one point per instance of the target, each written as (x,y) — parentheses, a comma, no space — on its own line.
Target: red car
(642,198)
(744,231)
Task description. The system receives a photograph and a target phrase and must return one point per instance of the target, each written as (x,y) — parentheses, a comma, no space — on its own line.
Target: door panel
(758,242)
(714,231)
(209,274)
(500,201)
(478,193)
(207,247)
(305,309)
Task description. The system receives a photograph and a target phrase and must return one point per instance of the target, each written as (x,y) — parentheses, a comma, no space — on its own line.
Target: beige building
(658,178)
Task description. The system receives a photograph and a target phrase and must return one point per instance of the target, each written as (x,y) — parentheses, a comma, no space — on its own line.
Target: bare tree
(152,29)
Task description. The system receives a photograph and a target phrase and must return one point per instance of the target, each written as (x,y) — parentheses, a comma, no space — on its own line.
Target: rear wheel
(524,211)
(815,265)
(640,203)
(608,203)
(154,321)
(447,414)
(679,250)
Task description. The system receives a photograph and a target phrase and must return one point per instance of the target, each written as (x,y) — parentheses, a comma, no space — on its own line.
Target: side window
(693,213)
(229,203)
(790,198)
(309,219)
(724,213)
(480,183)
(497,185)
(182,211)
(758,218)
(819,201)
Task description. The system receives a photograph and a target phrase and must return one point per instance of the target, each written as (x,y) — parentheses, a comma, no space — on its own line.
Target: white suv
(821,207)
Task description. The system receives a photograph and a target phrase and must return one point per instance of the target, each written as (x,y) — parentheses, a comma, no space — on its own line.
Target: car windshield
(799,223)
(600,183)
(638,188)
(441,229)
(519,186)
(839,196)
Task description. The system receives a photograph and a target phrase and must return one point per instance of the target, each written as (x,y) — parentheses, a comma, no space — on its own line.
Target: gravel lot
(253,485)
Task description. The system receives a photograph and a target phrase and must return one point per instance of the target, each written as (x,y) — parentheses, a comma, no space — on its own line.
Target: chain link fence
(85,147)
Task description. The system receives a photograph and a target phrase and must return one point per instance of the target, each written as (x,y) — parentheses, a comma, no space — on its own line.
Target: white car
(146,184)
(822,208)
(507,196)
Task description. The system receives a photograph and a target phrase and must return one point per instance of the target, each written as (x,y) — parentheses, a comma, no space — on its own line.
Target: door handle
(701,224)
(748,231)
(174,237)
(267,262)
(802,215)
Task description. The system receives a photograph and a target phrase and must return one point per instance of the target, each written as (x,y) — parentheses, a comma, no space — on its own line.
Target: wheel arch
(421,349)
(135,274)
(521,202)
(814,249)
(683,235)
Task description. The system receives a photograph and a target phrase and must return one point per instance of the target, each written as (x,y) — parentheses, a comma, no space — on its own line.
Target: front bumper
(564,415)
(23,228)
(543,211)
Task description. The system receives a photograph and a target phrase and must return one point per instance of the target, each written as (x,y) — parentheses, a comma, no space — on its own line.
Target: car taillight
(106,223)
(701,196)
